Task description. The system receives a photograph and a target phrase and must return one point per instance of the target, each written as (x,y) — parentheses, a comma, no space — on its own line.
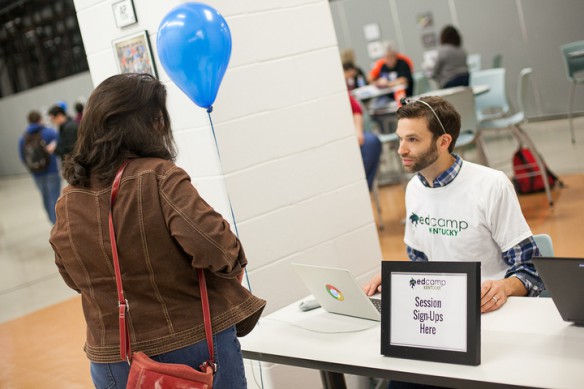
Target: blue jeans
(49,185)
(460,80)
(230,371)
(370,152)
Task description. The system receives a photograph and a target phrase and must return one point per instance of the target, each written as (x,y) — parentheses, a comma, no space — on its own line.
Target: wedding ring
(496,299)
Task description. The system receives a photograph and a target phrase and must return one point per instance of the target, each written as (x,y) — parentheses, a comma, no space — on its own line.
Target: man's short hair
(79,107)
(34,117)
(390,47)
(349,66)
(56,110)
(449,118)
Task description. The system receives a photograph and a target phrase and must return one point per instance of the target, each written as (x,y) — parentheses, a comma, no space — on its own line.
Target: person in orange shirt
(392,70)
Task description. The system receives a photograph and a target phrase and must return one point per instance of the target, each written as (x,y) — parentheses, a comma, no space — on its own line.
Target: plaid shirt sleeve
(519,260)
(415,255)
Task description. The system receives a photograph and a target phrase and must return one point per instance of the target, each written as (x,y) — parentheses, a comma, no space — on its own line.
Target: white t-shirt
(475,217)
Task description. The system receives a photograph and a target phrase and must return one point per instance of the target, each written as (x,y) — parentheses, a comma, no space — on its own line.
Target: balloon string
(209,110)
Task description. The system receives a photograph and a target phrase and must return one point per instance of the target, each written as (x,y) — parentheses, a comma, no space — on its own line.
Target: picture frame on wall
(124,13)
(425,20)
(134,54)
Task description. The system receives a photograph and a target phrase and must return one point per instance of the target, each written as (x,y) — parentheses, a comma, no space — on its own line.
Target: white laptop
(337,291)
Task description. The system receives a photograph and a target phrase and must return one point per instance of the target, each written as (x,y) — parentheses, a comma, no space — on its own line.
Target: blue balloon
(194,46)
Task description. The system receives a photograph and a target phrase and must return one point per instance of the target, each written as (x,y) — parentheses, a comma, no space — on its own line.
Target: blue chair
(492,104)
(545,245)
(513,123)
(473,61)
(546,249)
(574,59)
(497,61)
(422,83)
(462,98)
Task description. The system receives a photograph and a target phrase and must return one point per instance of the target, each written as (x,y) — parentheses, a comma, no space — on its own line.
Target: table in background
(477,90)
(525,344)
(576,54)
(370,91)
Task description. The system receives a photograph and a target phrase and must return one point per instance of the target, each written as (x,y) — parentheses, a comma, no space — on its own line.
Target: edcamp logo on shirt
(439,226)
(427,283)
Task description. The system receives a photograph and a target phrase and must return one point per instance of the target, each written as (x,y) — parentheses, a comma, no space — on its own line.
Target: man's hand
(494,294)
(382,82)
(373,286)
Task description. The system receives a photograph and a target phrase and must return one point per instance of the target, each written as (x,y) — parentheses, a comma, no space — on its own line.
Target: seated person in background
(460,211)
(392,70)
(354,77)
(368,142)
(450,68)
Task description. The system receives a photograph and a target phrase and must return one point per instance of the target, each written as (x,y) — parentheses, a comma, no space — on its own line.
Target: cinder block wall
(289,160)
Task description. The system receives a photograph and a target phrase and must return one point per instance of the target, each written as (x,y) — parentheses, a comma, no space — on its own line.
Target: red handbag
(146,373)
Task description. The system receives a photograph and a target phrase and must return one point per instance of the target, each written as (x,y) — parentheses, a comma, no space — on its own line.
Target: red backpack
(527,177)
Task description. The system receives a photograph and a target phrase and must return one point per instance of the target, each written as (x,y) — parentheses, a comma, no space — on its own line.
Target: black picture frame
(124,13)
(472,356)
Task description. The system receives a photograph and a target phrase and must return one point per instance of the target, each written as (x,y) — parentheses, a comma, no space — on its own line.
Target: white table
(576,54)
(525,344)
(370,91)
(477,90)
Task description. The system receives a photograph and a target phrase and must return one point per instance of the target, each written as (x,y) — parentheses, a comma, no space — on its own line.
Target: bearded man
(461,211)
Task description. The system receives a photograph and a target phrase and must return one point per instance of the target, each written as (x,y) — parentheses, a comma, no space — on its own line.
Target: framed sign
(124,13)
(429,40)
(372,31)
(134,55)
(431,311)
(425,19)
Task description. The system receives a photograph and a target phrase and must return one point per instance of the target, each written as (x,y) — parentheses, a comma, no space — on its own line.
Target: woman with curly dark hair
(164,231)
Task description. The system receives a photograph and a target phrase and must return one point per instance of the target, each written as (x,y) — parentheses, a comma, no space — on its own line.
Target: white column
(290,161)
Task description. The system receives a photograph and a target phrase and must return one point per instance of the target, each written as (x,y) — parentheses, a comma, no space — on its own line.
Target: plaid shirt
(518,257)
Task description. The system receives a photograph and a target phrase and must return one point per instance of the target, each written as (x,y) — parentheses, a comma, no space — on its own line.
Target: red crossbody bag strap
(207,319)
(123,307)
(125,347)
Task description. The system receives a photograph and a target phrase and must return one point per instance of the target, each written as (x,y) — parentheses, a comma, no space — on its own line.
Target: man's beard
(424,160)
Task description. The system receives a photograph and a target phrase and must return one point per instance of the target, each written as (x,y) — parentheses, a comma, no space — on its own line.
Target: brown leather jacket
(164,230)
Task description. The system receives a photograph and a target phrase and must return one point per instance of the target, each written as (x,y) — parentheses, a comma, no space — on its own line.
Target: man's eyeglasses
(405,101)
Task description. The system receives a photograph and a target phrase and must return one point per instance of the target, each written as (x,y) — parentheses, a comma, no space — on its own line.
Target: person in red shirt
(368,142)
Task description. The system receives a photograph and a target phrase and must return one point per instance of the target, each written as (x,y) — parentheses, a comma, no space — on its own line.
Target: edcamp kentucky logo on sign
(431,311)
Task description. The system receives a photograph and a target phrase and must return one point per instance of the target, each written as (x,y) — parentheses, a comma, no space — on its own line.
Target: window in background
(40,42)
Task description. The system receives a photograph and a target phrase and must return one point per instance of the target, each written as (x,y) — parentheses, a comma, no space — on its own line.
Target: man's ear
(445,141)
